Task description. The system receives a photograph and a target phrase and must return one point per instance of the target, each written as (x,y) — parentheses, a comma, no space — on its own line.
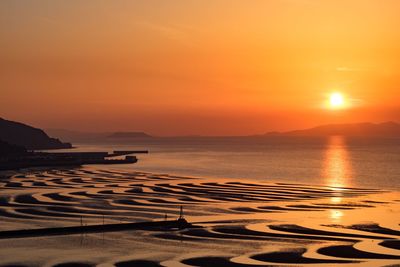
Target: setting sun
(336,100)
(128,125)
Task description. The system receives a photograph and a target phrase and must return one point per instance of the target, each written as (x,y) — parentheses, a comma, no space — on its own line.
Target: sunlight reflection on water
(336,215)
(337,164)
(337,170)
(336,200)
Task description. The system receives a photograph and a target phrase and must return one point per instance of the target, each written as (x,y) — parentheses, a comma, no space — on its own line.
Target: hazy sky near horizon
(198,67)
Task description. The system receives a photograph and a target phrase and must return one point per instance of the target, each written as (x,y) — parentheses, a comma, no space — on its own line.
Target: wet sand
(242,223)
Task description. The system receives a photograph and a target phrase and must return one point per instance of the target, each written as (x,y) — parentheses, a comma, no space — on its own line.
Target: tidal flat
(239,223)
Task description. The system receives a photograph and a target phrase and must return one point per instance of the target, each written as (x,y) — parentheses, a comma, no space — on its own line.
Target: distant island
(367,129)
(78,136)
(28,137)
(386,129)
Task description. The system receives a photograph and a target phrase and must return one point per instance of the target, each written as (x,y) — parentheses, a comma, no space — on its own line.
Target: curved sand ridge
(304,223)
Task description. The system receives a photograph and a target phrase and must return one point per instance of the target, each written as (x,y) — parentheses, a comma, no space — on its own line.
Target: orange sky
(198,67)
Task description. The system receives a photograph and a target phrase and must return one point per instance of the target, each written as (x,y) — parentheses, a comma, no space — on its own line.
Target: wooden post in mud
(181,213)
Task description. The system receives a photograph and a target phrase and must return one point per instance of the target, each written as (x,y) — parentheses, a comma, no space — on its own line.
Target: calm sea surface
(333,161)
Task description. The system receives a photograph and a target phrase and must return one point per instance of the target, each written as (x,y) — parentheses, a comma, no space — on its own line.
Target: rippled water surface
(334,161)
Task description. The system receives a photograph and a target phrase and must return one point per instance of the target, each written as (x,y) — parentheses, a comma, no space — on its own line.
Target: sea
(334,161)
(256,201)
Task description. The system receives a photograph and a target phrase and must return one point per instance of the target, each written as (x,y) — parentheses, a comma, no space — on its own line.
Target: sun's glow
(336,100)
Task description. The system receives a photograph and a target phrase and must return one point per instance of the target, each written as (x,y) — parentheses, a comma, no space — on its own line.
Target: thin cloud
(348,69)
(172,32)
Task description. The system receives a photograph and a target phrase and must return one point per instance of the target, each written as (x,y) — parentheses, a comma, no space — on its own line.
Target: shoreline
(67,159)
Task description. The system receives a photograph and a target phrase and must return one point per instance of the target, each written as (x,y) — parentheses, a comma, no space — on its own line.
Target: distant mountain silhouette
(27,136)
(129,135)
(7,149)
(77,136)
(386,129)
